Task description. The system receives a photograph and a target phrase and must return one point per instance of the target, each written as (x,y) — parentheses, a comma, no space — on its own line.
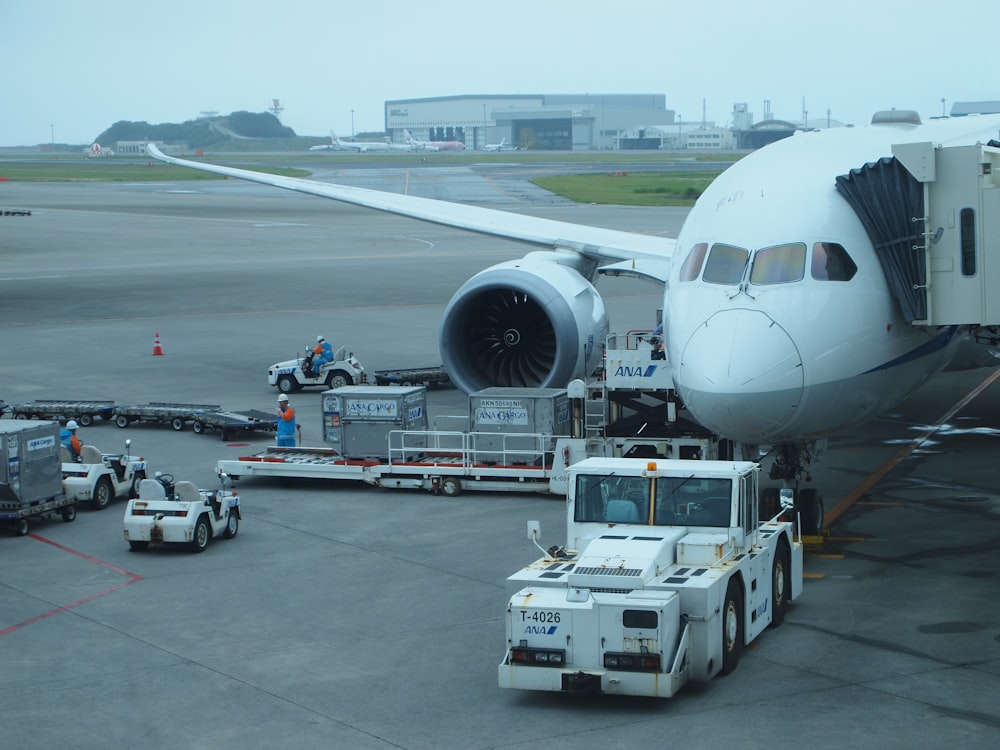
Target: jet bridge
(933,214)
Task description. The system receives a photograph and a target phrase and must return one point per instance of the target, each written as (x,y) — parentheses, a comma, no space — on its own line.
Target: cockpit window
(725,264)
(780,264)
(830,262)
(692,265)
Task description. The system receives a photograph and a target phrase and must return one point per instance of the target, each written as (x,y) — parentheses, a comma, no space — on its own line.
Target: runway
(350,617)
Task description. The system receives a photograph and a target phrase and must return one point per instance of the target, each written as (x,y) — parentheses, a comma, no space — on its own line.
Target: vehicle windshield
(677,501)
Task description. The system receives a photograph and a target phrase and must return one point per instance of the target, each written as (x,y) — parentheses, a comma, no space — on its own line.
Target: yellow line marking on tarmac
(875,477)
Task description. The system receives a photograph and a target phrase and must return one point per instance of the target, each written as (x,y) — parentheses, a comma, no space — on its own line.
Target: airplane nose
(741,376)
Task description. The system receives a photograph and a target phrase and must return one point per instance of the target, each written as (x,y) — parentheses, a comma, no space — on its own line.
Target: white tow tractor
(294,374)
(178,512)
(101,477)
(666,575)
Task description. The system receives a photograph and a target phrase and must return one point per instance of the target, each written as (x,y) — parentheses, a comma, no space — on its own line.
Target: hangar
(530,121)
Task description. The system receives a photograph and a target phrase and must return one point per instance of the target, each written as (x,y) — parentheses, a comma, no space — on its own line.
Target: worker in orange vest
(286,422)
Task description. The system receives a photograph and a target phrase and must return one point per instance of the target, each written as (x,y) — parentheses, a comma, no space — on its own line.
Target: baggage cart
(84,412)
(434,376)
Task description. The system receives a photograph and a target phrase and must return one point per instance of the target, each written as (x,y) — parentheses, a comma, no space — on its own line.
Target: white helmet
(320,338)
(72,425)
(283,397)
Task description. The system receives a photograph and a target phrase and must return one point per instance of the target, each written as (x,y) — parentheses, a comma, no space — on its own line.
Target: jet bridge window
(693,502)
(781,264)
(726,264)
(830,262)
(692,265)
(967,224)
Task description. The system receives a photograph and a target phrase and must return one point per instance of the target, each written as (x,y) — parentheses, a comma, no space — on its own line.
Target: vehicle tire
(338,379)
(136,479)
(104,493)
(781,583)
(20,526)
(287,384)
(68,513)
(732,627)
(177,423)
(85,420)
(232,525)
(223,435)
(121,420)
(202,535)
(134,544)
(198,427)
(809,504)
(451,487)
(20,416)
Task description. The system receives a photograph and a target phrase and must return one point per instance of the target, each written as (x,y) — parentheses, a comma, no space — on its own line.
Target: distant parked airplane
(336,144)
(502,146)
(419,145)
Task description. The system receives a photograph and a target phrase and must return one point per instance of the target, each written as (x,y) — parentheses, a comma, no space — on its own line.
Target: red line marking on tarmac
(854,495)
(132,578)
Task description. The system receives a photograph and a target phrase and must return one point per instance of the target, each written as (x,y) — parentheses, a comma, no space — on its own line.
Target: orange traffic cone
(157,349)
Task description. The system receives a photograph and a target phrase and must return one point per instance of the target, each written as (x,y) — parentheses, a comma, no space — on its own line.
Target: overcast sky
(73,68)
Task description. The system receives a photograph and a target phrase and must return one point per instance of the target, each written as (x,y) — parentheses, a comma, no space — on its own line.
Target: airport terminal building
(562,122)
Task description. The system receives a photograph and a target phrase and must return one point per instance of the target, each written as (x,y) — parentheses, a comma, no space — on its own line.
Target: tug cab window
(693,502)
(692,264)
(781,264)
(612,499)
(830,262)
(725,264)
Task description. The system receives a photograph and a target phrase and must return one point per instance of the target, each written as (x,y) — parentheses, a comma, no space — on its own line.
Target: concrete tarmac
(346,616)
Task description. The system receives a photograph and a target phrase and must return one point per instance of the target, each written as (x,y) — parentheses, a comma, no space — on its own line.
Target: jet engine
(536,322)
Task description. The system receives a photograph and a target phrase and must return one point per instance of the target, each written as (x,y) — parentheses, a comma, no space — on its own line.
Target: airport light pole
(352,124)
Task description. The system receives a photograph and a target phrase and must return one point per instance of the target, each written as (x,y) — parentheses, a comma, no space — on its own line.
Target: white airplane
(782,327)
(419,145)
(336,144)
(502,146)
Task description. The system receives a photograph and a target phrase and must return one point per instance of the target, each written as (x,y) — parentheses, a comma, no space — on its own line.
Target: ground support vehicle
(343,369)
(99,478)
(437,461)
(379,436)
(178,512)
(17,519)
(201,418)
(84,412)
(431,377)
(30,474)
(666,575)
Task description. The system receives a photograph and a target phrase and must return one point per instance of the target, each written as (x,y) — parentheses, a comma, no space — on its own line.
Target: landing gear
(791,465)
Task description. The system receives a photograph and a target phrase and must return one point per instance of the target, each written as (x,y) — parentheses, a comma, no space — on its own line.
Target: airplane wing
(591,242)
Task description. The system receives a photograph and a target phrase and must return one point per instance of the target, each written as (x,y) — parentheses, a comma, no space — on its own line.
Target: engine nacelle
(536,322)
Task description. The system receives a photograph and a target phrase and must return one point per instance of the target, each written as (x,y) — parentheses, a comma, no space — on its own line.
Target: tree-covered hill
(202,132)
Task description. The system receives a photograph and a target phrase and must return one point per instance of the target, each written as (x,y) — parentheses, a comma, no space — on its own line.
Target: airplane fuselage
(779,323)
